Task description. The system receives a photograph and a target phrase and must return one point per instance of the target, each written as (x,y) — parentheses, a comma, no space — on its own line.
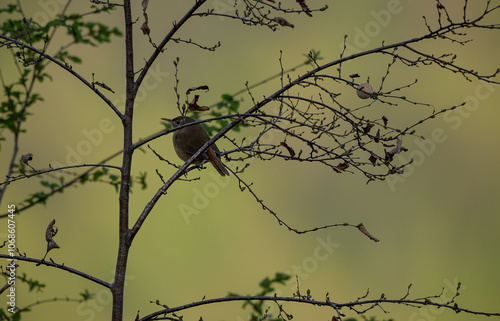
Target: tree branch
(58,266)
(64,66)
(276,96)
(50,170)
(67,184)
(327,303)
(163,43)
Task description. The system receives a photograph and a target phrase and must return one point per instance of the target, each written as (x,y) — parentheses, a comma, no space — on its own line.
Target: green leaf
(234,105)
(17,316)
(227,98)
(10,8)
(265,283)
(86,295)
(75,59)
(97,174)
(84,178)
(223,123)
(54,23)
(281,277)
(142,180)
(39,197)
(312,56)
(74,31)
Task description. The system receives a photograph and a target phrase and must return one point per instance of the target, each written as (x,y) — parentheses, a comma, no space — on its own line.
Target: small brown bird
(188,140)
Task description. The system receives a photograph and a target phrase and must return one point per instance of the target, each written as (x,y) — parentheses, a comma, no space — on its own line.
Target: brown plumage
(188,140)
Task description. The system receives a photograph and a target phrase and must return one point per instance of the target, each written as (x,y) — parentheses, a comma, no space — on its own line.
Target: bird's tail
(216,162)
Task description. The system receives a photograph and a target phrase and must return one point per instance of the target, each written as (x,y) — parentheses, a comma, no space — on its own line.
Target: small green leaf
(84,178)
(86,295)
(265,283)
(97,175)
(75,59)
(10,8)
(227,98)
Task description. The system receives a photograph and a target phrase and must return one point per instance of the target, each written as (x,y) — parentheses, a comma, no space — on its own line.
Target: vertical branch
(124,235)
(18,125)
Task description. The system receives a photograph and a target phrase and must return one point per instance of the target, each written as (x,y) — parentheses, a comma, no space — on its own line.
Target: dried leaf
(304,7)
(399,147)
(50,232)
(283,22)
(26,158)
(385,120)
(367,128)
(193,105)
(377,136)
(373,159)
(103,85)
(52,245)
(290,150)
(145,28)
(388,157)
(342,166)
(363,230)
(354,75)
(203,87)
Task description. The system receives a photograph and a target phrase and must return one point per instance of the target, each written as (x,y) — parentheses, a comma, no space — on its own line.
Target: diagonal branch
(66,67)
(249,113)
(163,43)
(58,266)
(69,183)
(50,170)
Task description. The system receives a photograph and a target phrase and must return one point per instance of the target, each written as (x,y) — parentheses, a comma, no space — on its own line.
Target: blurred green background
(438,223)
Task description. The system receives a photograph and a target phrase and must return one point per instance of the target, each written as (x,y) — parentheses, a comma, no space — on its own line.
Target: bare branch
(66,67)
(58,266)
(360,306)
(164,42)
(50,170)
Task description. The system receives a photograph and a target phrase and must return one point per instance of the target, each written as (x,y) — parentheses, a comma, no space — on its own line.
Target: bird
(188,140)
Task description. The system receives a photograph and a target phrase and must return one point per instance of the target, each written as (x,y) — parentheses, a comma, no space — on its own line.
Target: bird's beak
(166,119)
